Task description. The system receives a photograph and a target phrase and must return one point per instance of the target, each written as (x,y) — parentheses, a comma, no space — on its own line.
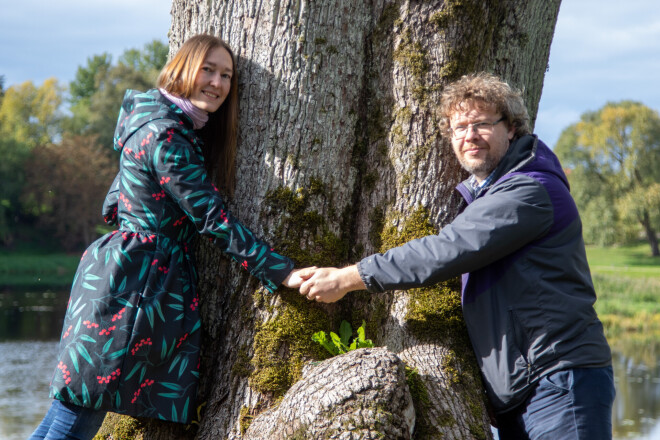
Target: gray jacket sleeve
(512,214)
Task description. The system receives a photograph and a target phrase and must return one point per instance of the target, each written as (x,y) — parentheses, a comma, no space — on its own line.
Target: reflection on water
(25,372)
(30,325)
(35,316)
(637,407)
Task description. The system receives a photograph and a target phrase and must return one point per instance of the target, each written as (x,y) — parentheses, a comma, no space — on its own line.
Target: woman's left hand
(295,279)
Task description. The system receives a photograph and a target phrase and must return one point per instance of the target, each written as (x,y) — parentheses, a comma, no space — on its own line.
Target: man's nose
(471,132)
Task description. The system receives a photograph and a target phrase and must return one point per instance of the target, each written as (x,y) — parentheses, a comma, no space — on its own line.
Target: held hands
(329,284)
(297,276)
(325,284)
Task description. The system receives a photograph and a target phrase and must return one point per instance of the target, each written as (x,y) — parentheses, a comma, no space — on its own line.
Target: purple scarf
(198,116)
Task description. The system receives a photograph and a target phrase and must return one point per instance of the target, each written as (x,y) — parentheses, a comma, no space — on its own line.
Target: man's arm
(330,284)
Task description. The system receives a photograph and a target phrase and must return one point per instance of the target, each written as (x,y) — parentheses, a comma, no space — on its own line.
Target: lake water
(30,325)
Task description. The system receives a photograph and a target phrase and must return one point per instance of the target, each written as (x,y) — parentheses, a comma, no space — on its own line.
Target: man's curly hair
(484,89)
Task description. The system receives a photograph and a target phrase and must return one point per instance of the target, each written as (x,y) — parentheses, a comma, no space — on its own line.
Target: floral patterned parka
(131,335)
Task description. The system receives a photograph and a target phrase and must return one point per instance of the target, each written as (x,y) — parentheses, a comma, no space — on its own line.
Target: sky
(602,51)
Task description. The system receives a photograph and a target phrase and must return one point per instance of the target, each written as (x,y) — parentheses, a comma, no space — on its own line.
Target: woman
(130,342)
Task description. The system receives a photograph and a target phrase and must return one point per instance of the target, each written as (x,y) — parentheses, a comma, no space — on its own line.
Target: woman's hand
(329,284)
(295,279)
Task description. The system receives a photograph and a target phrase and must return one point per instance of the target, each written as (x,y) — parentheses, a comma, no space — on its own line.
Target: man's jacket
(527,291)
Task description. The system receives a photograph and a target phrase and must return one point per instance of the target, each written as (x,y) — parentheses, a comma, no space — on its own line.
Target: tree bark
(340,156)
(651,235)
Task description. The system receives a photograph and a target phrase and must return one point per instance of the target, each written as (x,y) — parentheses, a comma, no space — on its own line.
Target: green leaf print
(169,395)
(133,370)
(163,350)
(74,359)
(185,406)
(73,397)
(176,296)
(99,401)
(150,216)
(78,324)
(132,178)
(126,186)
(159,310)
(84,353)
(202,201)
(182,367)
(145,266)
(174,414)
(172,386)
(107,345)
(117,354)
(176,360)
(150,315)
(88,286)
(88,338)
(85,394)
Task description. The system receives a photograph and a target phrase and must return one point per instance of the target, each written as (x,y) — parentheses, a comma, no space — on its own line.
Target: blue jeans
(65,421)
(569,405)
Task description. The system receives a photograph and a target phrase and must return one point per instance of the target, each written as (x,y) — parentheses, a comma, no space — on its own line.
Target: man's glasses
(460,131)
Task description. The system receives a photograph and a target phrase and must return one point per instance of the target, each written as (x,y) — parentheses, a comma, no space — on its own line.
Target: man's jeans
(65,421)
(568,405)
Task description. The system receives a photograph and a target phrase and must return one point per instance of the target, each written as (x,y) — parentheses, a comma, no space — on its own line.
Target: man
(527,292)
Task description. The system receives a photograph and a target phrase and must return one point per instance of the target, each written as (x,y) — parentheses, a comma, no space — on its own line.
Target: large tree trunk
(340,156)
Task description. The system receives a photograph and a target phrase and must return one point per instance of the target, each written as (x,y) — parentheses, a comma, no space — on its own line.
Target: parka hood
(141,108)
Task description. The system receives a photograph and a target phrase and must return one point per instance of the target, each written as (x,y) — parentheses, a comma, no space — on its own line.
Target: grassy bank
(36,270)
(627,281)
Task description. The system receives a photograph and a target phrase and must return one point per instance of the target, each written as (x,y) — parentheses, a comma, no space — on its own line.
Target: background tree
(29,116)
(65,189)
(340,155)
(98,89)
(614,159)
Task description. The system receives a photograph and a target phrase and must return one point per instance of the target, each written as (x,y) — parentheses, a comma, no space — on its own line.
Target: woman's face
(213,80)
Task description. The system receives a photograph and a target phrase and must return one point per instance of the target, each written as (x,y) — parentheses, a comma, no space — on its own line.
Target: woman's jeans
(65,421)
(567,405)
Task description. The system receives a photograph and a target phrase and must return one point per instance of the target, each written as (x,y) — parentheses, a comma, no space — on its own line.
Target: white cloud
(603,51)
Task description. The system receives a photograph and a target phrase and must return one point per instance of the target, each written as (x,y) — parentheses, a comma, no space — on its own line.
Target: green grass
(36,270)
(633,261)
(627,282)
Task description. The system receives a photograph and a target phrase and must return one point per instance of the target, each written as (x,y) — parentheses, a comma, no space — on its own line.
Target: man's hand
(295,279)
(329,284)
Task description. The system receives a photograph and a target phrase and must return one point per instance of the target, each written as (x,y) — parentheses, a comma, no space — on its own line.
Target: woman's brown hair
(220,133)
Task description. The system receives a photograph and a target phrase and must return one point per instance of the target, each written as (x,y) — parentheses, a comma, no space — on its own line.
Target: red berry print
(124,199)
(195,304)
(66,374)
(89,324)
(179,221)
(107,331)
(181,339)
(244,264)
(159,195)
(66,333)
(146,140)
(117,316)
(164,180)
(170,133)
(110,377)
(146,383)
(140,344)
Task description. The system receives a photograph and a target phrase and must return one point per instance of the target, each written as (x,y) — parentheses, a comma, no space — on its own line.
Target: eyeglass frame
(475,127)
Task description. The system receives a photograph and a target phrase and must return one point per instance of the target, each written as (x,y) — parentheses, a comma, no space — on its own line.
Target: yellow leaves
(29,114)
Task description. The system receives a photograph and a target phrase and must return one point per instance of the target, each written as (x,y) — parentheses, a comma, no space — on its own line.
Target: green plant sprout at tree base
(338,344)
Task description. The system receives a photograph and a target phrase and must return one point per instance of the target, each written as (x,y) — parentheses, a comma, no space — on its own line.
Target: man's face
(480,148)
